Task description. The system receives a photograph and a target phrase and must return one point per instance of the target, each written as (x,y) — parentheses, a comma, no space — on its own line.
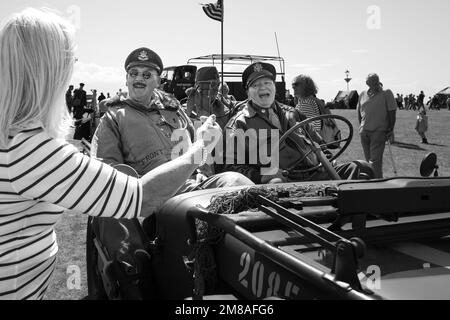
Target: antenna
(279,56)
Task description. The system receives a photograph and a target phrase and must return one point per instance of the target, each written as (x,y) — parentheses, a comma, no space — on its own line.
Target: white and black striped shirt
(310,108)
(40,177)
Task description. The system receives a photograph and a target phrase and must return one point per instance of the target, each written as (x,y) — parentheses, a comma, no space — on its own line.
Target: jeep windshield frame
(235,64)
(240,60)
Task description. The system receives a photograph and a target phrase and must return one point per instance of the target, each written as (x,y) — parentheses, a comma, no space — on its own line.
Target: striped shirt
(40,177)
(310,108)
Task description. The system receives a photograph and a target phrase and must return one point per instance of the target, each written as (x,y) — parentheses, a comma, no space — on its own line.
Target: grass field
(408,152)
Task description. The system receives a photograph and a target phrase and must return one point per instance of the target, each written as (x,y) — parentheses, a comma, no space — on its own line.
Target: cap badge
(258,68)
(143,56)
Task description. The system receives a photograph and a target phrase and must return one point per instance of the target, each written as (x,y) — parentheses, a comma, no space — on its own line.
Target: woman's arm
(163,182)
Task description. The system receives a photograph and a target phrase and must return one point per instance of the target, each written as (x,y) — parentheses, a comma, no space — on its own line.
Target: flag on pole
(214,10)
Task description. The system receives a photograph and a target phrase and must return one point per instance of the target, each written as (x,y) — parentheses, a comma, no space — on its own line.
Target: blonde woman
(40,174)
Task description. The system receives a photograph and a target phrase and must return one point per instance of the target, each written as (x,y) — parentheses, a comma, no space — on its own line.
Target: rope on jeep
(205,273)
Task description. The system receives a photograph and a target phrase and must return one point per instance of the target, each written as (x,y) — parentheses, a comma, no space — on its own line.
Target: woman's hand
(200,178)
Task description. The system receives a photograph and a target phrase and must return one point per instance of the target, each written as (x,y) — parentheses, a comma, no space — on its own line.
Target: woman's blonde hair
(36,64)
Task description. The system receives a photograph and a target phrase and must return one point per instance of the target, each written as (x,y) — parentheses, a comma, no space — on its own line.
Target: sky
(406,42)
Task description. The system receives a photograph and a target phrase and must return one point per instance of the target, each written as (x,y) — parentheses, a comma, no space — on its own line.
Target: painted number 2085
(261,284)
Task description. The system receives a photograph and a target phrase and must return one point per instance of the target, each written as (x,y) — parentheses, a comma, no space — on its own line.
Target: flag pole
(279,56)
(221,24)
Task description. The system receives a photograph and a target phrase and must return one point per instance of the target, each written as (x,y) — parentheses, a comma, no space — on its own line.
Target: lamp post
(347,79)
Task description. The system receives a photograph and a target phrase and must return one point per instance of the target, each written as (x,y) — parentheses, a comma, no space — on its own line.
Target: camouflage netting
(205,274)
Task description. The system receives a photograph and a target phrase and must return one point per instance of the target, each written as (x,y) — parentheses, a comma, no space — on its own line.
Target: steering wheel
(347,139)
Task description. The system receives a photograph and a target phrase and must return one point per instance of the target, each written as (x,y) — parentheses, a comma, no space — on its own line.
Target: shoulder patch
(169,101)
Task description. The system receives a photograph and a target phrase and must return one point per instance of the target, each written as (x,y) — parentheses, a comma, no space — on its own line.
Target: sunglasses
(147,75)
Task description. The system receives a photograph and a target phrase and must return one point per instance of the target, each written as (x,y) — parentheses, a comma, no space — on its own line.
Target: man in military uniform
(263,120)
(203,98)
(138,131)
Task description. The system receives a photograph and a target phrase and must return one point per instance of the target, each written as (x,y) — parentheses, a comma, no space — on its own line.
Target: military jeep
(365,240)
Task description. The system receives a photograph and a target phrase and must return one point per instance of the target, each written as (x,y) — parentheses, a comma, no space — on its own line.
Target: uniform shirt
(141,137)
(374,110)
(249,156)
(40,177)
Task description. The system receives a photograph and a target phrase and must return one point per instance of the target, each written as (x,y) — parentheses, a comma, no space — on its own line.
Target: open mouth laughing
(264,95)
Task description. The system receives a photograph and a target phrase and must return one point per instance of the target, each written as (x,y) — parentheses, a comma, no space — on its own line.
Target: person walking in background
(69,99)
(79,101)
(101,97)
(428,104)
(102,105)
(433,103)
(420,100)
(306,90)
(422,124)
(377,115)
(412,102)
(81,114)
(399,101)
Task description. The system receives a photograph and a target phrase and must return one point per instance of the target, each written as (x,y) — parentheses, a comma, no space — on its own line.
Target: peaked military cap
(146,58)
(257,71)
(207,74)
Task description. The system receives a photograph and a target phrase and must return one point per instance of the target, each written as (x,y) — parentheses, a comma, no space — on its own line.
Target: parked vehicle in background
(177,79)
(345,100)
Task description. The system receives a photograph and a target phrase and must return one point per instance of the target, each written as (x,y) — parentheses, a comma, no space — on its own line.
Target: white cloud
(360,51)
(102,78)
(311,66)
(334,81)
